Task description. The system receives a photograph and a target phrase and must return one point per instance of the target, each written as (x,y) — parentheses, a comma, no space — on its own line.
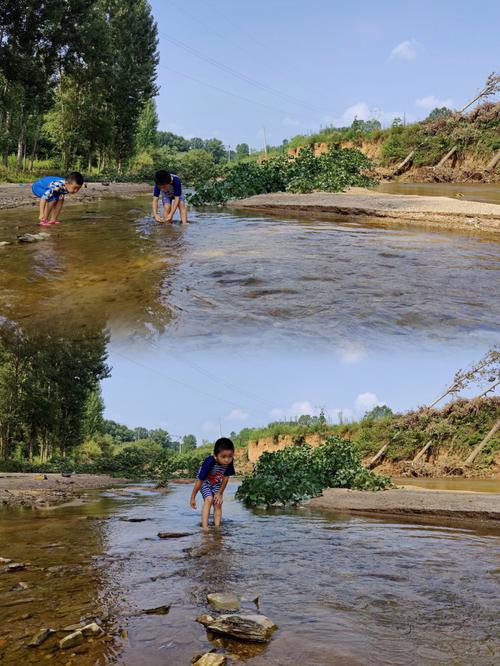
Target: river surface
(271,280)
(343,590)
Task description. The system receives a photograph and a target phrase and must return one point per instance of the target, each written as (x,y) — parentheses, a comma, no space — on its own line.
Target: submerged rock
(92,629)
(32,238)
(15,566)
(133,520)
(173,535)
(40,637)
(159,610)
(71,640)
(5,560)
(205,619)
(224,601)
(4,243)
(253,628)
(20,586)
(210,659)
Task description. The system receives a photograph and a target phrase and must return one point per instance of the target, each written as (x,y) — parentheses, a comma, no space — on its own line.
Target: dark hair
(162,177)
(75,177)
(223,444)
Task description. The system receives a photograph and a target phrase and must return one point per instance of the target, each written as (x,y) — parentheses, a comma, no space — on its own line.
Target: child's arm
(175,205)
(196,490)
(155,210)
(218,498)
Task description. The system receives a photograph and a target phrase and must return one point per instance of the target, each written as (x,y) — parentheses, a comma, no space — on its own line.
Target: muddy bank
(440,212)
(36,490)
(410,502)
(13,195)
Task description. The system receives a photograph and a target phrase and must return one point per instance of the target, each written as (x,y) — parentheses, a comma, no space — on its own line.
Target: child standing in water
(170,187)
(212,480)
(51,190)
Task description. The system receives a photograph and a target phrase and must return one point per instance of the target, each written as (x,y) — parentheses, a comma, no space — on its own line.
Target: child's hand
(192,502)
(218,499)
(168,218)
(157,218)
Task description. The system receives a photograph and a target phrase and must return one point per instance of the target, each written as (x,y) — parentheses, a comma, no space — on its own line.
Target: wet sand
(32,490)
(13,195)
(412,502)
(441,212)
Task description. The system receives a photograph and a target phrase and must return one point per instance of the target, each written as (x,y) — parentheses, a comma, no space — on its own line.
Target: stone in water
(253,628)
(224,601)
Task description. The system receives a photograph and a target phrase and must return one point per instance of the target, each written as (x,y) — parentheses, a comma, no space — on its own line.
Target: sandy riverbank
(440,212)
(13,195)
(412,502)
(35,490)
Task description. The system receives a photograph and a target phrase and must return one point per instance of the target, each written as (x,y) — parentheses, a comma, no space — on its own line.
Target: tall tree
(147,127)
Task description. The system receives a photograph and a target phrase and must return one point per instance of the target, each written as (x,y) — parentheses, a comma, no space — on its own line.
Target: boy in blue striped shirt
(169,187)
(51,190)
(212,480)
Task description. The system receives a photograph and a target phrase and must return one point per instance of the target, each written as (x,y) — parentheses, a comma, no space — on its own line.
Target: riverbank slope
(13,195)
(31,490)
(412,502)
(441,212)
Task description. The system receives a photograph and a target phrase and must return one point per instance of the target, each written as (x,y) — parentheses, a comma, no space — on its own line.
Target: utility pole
(229,153)
(265,139)
(220,428)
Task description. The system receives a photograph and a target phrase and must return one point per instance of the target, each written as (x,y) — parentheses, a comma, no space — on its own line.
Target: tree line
(74,79)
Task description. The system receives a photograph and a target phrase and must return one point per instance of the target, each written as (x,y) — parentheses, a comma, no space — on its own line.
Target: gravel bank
(410,502)
(13,195)
(441,212)
(34,490)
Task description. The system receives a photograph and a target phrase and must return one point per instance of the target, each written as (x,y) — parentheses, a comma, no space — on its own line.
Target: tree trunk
(449,154)
(422,451)
(482,444)
(35,142)
(8,127)
(378,456)
(405,164)
(493,162)
(20,140)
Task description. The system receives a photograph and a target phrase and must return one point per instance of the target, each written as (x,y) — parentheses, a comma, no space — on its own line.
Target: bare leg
(49,209)
(166,211)
(183,212)
(205,512)
(56,209)
(217,514)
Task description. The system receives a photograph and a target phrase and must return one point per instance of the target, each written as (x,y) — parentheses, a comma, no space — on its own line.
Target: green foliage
(147,127)
(300,472)
(333,171)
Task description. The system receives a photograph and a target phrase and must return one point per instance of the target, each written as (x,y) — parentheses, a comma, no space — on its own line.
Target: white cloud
(352,353)
(366,401)
(363,111)
(237,415)
(290,122)
(431,102)
(406,50)
(296,409)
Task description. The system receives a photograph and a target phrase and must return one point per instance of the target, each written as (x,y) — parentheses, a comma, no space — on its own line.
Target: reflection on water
(342,590)
(269,279)
(487,192)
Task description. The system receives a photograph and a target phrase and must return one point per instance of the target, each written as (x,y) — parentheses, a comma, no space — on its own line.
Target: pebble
(224,601)
(40,637)
(173,535)
(71,640)
(210,659)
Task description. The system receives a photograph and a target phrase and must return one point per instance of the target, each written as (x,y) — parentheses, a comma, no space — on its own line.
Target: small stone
(32,238)
(71,640)
(4,243)
(20,586)
(56,568)
(205,619)
(159,610)
(223,601)
(134,520)
(173,535)
(72,627)
(40,637)
(15,566)
(5,560)
(92,629)
(253,628)
(210,659)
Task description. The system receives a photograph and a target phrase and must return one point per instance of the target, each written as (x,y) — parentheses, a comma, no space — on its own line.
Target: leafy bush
(299,472)
(333,171)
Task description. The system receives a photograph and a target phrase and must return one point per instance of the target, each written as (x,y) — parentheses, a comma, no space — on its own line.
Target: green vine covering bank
(300,472)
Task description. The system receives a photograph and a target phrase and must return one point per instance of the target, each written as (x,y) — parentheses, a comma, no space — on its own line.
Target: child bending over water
(170,187)
(51,190)
(212,480)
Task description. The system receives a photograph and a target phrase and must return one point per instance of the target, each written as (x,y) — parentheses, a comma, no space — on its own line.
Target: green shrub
(300,472)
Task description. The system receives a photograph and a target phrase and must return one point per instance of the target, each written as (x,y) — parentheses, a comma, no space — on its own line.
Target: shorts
(167,198)
(208,490)
(39,194)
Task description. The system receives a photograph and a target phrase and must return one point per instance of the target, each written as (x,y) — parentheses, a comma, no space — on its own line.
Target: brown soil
(410,502)
(13,195)
(441,212)
(37,490)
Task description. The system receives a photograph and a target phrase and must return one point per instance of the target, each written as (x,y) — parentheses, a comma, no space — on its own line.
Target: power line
(238,75)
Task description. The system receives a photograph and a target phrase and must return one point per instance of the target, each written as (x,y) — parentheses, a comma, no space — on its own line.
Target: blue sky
(205,393)
(316,63)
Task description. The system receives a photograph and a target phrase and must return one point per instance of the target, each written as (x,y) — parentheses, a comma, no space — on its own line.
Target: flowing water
(270,279)
(343,590)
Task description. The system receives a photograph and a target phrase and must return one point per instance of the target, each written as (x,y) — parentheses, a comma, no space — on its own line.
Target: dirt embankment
(414,503)
(13,195)
(38,490)
(439,212)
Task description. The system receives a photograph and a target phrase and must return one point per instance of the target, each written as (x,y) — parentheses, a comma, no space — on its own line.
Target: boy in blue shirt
(212,480)
(51,190)
(169,186)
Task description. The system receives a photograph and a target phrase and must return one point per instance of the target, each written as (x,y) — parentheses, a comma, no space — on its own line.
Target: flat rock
(92,629)
(173,535)
(71,640)
(4,243)
(5,560)
(133,520)
(40,637)
(253,628)
(15,566)
(205,619)
(20,586)
(33,238)
(159,610)
(224,601)
(210,659)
